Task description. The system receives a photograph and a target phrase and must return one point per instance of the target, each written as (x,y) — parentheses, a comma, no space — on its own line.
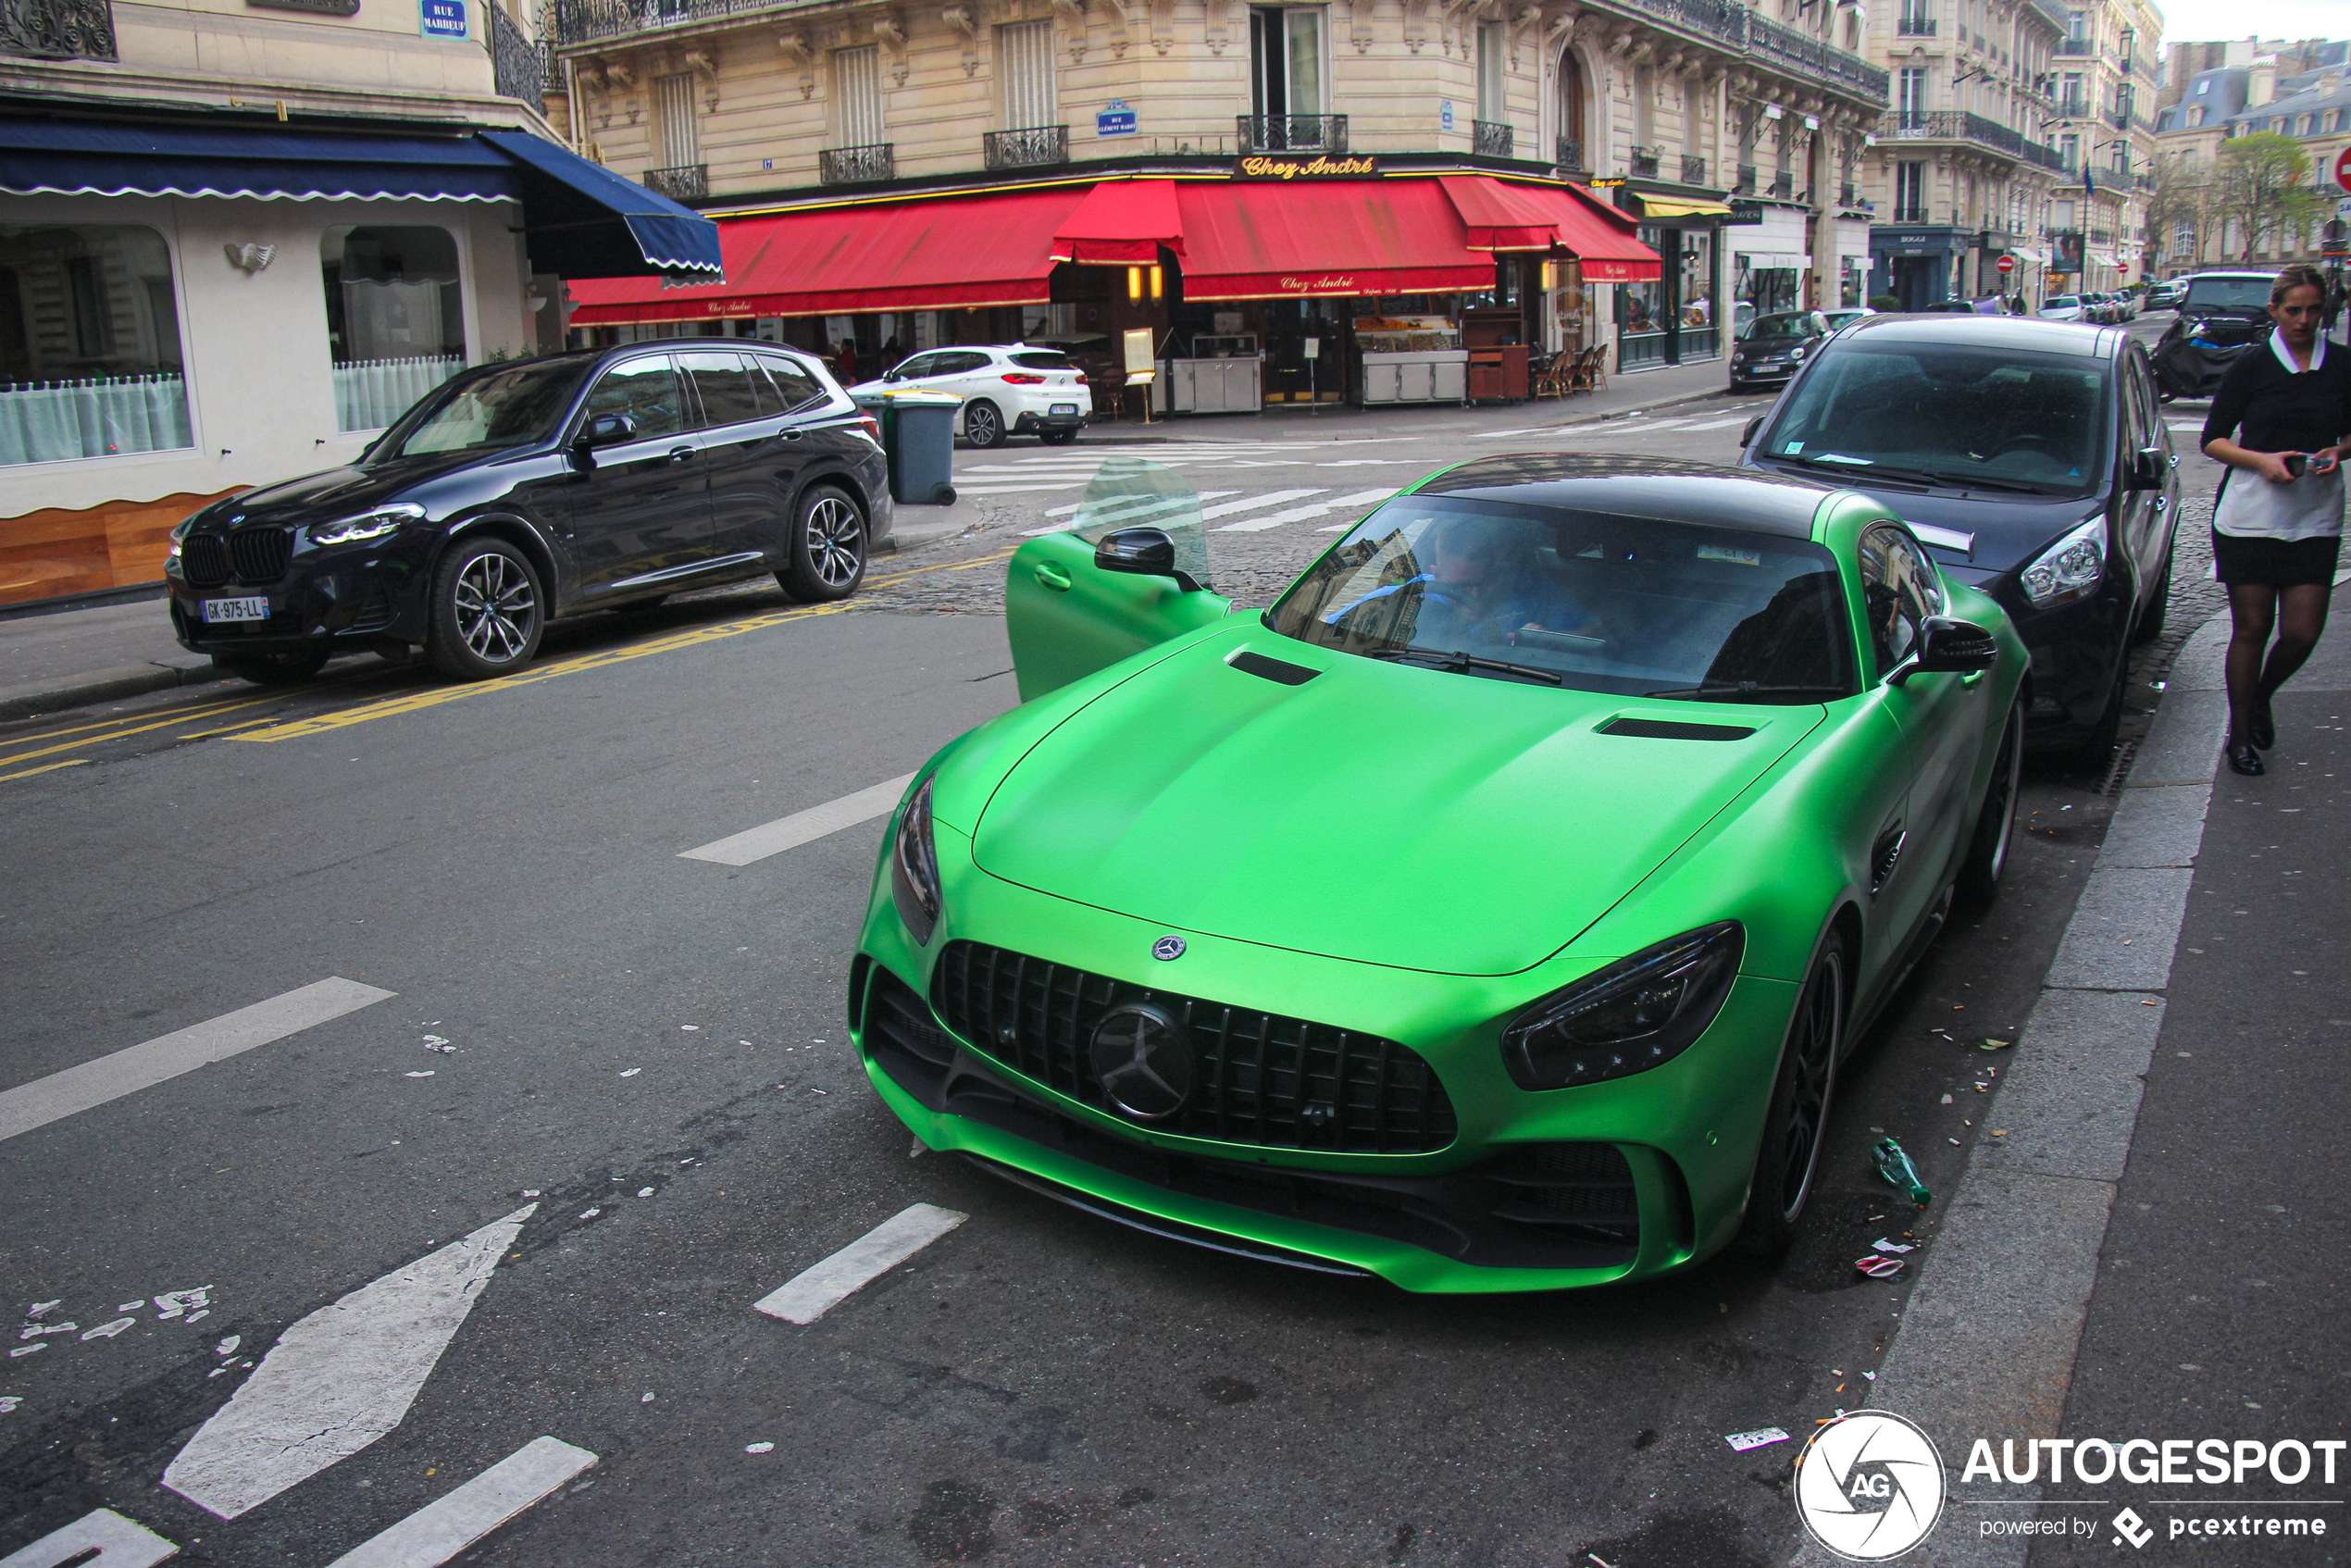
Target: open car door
(1066,615)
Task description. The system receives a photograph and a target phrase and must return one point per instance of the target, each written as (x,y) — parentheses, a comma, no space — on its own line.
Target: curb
(1987,1342)
(33,699)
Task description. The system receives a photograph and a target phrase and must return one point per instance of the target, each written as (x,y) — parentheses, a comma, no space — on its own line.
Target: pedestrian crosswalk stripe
(1250,504)
(755,844)
(1299,514)
(1720,424)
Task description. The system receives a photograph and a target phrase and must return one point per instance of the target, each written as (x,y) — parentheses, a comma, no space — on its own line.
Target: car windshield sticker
(1793,446)
(1725,553)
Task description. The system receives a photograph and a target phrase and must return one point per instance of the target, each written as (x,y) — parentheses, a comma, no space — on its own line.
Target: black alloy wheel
(1797,1117)
(983,426)
(487,613)
(272,669)
(827,548)
(1987,851)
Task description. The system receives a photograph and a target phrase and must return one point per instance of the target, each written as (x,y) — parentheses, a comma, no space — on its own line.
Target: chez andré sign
(1306,166)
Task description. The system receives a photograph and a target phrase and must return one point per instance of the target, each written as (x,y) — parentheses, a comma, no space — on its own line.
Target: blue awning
(580,220)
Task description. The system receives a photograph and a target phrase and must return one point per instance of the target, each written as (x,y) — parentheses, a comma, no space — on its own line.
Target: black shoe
(2265,726)
(2245,760)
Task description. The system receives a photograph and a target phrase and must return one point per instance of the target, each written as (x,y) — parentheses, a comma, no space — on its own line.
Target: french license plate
(216,611)
(1064,408)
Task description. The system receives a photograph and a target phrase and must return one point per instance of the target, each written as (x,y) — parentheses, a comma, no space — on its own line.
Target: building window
(1492,87)
(1910,193)
(395,319)
(1025,50)
(2068,151)
(1912,102)
(2196,113)
(676,139)
(2303,125)
(2070,102)
(90,354)
(857,86)
(1285,61)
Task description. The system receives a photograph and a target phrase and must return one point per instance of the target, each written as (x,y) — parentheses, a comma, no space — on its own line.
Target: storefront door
(1670,321)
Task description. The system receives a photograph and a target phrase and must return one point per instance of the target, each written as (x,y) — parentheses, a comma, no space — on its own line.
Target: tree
(2262,186)
(2178,196)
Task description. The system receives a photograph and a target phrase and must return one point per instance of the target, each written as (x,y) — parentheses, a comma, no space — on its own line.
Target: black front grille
(261,555)
(1264,1078)
(204,559)
(1572,1189)
(373,613)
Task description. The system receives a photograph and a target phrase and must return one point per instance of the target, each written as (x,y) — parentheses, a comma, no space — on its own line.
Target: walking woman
(2279,422)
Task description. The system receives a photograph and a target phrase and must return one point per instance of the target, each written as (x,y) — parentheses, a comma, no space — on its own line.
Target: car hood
(1378,813)
(2006,531)
(340,492)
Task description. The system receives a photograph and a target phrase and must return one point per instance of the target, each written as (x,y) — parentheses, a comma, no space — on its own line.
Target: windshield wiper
(1461,662)
(1856,470)
(1747,690)
(1976,481)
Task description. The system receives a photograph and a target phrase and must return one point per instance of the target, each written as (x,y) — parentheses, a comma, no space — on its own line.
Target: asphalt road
(646,1052)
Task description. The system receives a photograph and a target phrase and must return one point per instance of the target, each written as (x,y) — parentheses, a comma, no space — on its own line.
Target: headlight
(913,868)
(1636,1014)
(366,525)
(2069,568)
(1797,353)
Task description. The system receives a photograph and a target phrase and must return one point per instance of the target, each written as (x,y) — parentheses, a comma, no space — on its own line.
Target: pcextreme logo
(1869,1486)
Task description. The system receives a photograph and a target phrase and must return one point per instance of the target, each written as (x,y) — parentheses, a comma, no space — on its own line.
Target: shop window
(90,356)
(1025,50)
(857,86)
(1285,61)
(395,319)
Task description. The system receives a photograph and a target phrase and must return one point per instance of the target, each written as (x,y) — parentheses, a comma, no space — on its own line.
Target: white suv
(1007,390)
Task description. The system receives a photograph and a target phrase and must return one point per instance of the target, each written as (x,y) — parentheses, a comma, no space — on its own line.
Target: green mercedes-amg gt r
(1491,913)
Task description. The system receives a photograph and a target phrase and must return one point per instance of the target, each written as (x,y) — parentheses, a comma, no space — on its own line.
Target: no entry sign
(2006,264)
(2343,168)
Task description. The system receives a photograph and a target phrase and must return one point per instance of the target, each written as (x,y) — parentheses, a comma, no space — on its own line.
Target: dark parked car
(2031,458)
(1769,348)
(517,493)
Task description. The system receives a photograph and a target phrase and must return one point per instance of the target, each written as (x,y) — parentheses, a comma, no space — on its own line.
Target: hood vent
(1673,730)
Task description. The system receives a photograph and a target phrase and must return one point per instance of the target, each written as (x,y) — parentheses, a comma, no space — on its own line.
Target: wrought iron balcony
(855,166)
(1028,147)
(2076,44)
(1801,54)
(518,65)
(1490,139)
(58,30)
(1293,133)
(1643,161)
(1571,151)
(1693,171)
(1745,184)
(1912,215)
(1915,27)
(685,184)
(587,21)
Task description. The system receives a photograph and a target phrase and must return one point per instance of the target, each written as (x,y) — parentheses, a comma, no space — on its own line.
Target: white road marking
(966,489)
(1299,514)
(817,1291)
(1144,503)
(128,1070)
(802,826)
(1720,424)
(337,1379)
(118,1541)
(2185,424)
(1264,498)
(440,1530)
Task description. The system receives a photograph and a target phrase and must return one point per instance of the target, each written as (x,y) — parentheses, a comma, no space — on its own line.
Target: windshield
(1947,414)
(2060,302)
(1791,323)
(2231,293)
(487,409)
(1041,359)
(1584,600)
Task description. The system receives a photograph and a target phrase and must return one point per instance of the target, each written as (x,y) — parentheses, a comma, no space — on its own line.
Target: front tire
(488,612)
(1797,1120)
(827,548)
(983,426)
(1987,851)
(273,669)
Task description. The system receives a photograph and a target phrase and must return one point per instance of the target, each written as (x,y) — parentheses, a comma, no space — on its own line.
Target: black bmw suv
(2031,457)
(516,492)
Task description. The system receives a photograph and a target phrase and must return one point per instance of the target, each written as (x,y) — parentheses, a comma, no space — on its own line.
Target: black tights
(2256,611)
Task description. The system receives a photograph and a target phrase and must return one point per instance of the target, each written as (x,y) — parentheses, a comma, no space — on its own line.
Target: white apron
(2311,507)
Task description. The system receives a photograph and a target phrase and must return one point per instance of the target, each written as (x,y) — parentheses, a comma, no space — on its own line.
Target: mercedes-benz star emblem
(1167,948)
(1142,1060)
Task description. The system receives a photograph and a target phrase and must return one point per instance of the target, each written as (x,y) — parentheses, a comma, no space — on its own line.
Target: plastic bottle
(1895,1165)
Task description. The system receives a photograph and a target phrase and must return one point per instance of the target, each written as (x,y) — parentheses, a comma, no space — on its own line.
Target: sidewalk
(73,658)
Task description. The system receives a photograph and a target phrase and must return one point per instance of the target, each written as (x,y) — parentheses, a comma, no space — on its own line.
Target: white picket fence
(49,421)
(372,393)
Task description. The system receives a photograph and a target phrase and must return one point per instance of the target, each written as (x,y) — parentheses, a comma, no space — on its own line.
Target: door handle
(790,435)
(680,453)
(2163,504)
(1052,576)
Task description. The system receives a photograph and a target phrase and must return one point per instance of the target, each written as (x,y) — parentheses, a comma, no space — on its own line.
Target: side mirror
(1143,553)
(606,430)
(1949,647)
(1746,436)
(2144,470)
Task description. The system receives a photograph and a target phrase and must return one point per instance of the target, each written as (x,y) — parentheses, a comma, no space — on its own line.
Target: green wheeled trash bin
(919,434)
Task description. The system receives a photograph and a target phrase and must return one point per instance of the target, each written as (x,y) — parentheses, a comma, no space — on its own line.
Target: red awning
(1295,239)
(1122,220)
(940,255)
(1504,216)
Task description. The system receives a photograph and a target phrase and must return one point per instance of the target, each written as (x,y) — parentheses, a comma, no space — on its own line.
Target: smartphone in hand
(2324,463)
(2296,462)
